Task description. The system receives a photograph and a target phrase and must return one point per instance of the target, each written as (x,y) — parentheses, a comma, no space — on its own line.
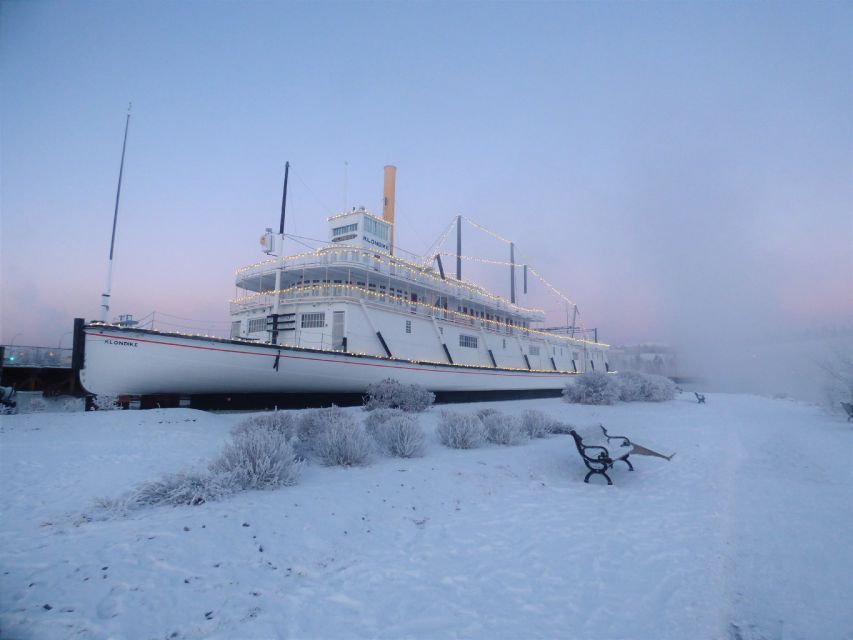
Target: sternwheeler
(335,319)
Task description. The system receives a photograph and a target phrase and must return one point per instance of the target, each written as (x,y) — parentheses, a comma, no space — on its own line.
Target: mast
(458,247)
(512,272)
(105,297)
(280,250)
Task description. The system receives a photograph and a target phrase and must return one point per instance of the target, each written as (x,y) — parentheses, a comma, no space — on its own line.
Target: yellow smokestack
(388,202)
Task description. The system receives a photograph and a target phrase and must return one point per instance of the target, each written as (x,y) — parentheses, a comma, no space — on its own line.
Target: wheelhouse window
(468,341)
(313,320)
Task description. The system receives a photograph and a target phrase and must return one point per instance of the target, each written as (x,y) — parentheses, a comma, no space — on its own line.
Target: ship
(340,317)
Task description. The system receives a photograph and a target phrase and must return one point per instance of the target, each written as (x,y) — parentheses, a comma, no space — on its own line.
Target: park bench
(601,455)
(848,407)
(700,399)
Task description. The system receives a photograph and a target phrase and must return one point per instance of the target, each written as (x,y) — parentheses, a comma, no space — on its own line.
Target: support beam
(384,345)
(525,279)
(440,266)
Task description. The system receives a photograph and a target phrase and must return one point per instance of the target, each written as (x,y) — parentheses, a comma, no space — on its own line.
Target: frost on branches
(390,394)
(603,388)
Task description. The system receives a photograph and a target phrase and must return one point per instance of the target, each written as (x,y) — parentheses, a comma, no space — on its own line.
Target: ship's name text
(122,343)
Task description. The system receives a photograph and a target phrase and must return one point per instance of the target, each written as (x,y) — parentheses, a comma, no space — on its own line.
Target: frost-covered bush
(278,421)
(341,441)
(485,412)
(379,416)
(460,430)
(536,424)
(390,394)
(176,490)
(644,387)
(105,402)
(592,387)
(838,377)
(258,458)
(503,429)
(397,435)
(562,428)
(310,424)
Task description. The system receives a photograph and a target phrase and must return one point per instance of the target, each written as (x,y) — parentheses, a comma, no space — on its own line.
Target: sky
(682,171)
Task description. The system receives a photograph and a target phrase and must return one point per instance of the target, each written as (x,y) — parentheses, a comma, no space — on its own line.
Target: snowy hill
(745,534)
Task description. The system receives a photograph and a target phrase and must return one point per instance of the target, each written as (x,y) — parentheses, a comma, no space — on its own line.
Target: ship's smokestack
(388,202)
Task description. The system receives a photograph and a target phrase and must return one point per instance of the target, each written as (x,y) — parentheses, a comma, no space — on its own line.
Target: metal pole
(458,247)
(284,199)
(512,272)
(105,297)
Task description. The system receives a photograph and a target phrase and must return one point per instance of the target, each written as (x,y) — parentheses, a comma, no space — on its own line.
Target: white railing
(387,266)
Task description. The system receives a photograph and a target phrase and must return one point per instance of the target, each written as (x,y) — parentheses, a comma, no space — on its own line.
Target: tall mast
(276,302)
(105,297)
(459,247)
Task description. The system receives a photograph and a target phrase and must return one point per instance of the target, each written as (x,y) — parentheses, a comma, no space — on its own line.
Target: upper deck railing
(382,264)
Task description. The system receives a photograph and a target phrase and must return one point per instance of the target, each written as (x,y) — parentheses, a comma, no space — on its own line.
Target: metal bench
(600,457)
(700,399)
(848,407)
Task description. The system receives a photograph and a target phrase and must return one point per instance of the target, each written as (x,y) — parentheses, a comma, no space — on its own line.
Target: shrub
(390,394)
(176,490)
(592,387)
(380,416)
(562,428)
(645,387)
(341,441)
(503,429)
(486,412)
(460,430)
(398,435)
(278,421)
(310,424)
(258,458)
(536,424)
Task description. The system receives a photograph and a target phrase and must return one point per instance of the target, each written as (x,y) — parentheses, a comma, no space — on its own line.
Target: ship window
(346,229)
(408,326)
(313,320)
(257,324)
(534,350)
(376,228)
(468,341)
(504,343)
(441,330)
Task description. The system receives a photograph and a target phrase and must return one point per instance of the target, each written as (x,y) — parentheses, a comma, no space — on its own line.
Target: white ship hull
(137,362)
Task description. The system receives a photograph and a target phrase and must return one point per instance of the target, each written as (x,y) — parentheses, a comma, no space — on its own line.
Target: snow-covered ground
(745,534)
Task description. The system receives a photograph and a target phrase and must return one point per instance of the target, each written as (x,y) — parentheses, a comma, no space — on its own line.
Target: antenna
(105,297)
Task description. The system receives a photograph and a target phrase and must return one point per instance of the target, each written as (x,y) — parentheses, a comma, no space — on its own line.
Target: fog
(681,172)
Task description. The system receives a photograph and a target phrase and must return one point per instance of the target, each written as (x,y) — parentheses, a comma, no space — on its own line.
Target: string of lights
(485,230)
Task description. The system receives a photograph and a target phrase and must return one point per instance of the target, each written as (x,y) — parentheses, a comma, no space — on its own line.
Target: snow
(745,534)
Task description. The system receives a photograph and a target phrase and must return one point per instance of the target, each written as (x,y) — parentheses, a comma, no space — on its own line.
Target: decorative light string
(484,230)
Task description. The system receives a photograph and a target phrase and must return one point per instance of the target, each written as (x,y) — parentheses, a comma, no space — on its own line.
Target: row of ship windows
(315,320)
